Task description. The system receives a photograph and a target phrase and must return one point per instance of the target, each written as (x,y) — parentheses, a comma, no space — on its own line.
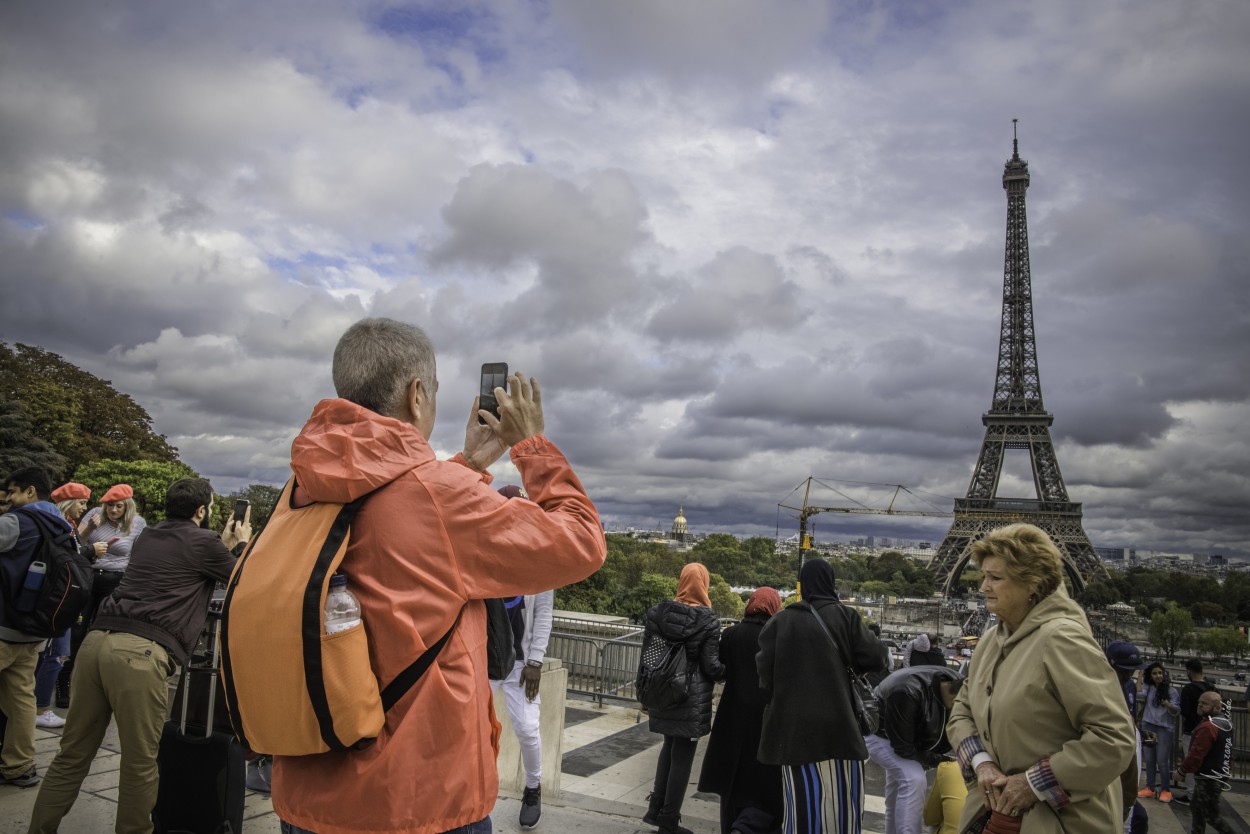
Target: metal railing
(601,666)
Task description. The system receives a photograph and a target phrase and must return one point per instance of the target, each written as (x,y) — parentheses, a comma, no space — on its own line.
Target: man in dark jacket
(28,491)
(915,703)
(152,620)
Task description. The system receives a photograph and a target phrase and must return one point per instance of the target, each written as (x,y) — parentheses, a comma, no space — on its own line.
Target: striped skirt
(823,797)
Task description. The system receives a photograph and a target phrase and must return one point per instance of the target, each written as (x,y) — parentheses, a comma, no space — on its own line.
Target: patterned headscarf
(693,584)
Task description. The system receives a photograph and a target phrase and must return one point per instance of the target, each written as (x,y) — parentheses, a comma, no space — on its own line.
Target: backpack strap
(311,629)
(405,680)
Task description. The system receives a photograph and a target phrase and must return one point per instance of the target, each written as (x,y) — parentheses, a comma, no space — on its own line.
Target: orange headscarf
(692,586)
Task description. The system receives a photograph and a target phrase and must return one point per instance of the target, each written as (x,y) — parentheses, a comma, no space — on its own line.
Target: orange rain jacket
(433,541)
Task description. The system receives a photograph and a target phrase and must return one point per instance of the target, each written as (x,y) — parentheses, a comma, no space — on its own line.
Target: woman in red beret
(116,523)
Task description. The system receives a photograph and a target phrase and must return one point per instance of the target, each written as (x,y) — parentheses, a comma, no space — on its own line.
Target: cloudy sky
(740,242)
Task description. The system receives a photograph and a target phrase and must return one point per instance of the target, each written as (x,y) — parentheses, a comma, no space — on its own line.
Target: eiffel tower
(1017,420)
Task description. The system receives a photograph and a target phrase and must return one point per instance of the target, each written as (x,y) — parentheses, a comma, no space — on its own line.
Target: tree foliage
(1170,629)
(725,602)
(1220,642)
(82,417)
(149,479)
(20,447)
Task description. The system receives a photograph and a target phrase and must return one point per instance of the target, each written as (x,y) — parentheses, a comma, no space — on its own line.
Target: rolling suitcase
(201,768)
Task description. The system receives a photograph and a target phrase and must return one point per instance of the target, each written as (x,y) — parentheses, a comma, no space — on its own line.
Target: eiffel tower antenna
(1017,419)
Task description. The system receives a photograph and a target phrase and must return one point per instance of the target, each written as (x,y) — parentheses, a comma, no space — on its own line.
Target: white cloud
(739,242)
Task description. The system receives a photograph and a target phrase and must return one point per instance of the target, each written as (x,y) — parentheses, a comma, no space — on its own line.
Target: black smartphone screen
(494,375)
(240,509)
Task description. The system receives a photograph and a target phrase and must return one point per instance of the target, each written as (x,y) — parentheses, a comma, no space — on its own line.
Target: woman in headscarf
(750,791)
(809,723)
(687,620)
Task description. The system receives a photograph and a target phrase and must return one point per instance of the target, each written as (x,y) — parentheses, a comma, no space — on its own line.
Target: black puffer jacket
(699,630)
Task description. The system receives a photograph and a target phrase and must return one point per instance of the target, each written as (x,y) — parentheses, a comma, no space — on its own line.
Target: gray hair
(376,359)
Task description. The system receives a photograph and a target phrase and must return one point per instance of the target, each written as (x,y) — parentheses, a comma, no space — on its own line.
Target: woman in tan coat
(1041,714)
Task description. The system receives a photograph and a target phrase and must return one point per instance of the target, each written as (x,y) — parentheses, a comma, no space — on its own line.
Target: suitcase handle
(214,665)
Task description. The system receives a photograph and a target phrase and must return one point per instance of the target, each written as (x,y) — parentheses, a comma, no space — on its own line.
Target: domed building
(680,532)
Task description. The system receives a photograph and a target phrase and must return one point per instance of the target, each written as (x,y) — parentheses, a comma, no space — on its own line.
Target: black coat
(913,716)
(809,716)
(730,766)
(698,628)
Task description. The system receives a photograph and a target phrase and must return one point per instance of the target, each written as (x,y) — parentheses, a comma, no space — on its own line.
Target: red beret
(117,493)
(69,492)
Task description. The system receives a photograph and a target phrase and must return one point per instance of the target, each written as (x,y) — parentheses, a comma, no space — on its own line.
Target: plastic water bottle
(342,607)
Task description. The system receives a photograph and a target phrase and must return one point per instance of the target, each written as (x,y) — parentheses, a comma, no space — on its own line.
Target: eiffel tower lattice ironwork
(1017,420)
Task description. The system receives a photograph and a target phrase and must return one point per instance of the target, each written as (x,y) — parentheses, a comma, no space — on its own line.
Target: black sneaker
(27,780)
(531,807)
(1182,798)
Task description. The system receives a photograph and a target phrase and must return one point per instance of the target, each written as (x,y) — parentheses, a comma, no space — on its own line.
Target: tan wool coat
(1046,690)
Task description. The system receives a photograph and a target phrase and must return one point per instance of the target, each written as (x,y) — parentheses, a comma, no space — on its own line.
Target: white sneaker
(49,719)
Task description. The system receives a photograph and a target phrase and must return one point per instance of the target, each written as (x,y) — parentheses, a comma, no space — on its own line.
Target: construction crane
(807,510)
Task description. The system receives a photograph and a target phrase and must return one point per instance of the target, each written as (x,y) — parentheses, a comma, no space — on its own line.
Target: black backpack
(57,586)
(665,675)
(500,641)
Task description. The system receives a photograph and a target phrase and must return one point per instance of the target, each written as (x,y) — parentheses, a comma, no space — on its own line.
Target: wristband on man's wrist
(535,663)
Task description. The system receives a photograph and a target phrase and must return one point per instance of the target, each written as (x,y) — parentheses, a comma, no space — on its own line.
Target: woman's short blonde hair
(1029,556)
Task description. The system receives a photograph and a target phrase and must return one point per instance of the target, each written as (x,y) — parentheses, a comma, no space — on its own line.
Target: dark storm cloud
(739,243)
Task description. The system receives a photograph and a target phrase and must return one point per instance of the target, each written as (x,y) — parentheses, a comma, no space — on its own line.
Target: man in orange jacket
(431,543)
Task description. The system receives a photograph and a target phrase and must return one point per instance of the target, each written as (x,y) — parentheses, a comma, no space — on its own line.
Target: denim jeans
(49,669)
(1157,758)
(479,827)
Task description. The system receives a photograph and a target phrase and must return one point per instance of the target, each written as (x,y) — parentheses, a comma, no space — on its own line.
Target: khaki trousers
(17,702)
(121,677)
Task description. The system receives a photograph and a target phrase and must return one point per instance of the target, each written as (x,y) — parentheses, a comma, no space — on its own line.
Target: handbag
(863,699)
(664,677)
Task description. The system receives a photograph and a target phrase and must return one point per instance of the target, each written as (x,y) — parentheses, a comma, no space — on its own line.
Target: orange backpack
(292,689)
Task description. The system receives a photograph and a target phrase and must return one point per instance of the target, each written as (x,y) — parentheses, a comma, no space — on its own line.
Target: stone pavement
(608,764)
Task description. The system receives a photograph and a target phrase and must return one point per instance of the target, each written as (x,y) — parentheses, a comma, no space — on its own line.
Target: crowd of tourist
(1042,731)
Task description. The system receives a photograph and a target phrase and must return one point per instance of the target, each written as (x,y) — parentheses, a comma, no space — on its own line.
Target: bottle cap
(338,580)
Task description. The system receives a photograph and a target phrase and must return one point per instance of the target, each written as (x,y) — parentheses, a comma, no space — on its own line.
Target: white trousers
(905,787)
(524,716)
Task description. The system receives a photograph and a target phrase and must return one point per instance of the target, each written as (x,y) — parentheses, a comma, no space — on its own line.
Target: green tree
(79,415)
(1235,595)
(1098,595)
(263,499)
(887,564)
(593,595)
(1208,613)
(874,588)
(652,589)
(1219,642)
(725,602)
(722,553)
(1170,629)
(769,566)
(20,447)
(149,479)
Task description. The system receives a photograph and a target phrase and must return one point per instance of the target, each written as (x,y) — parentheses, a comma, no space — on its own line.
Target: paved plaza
(608,763)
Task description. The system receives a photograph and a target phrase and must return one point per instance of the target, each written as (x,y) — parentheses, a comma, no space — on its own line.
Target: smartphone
(494,375)
(240,511)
